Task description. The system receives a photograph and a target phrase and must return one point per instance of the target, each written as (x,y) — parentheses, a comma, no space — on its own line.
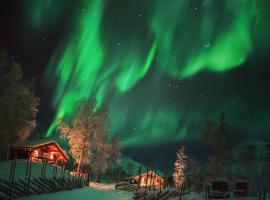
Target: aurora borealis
(161,66)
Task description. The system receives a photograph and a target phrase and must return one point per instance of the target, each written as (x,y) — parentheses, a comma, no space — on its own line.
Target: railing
(29,185)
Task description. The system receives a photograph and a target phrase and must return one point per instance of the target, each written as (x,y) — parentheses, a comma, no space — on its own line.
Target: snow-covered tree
(179,167)
(100,159)
(87,133)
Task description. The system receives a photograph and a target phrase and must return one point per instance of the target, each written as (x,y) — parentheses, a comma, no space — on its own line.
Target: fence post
(146,180)
(117,176)
(29,173)
(88,175)
(181,191)
(11,175)
(140,178)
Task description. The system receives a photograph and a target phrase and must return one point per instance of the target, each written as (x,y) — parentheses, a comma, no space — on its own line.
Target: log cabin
(40,151)
(150,179)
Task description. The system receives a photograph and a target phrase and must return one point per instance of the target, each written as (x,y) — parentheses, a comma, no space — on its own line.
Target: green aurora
(124,68)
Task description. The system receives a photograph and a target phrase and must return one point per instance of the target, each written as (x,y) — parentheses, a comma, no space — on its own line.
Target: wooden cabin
(150,179)
(40,151)
(241,188)
(218,189)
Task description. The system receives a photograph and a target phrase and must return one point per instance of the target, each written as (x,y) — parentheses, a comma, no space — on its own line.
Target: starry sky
(161,66)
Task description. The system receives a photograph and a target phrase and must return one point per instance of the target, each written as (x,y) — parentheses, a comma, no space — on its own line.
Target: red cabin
(240,188)
(41,151)
(219,189)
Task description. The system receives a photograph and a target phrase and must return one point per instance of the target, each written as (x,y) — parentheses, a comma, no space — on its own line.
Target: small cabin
(41,151)
(241,188)
(150,179)
(219,189)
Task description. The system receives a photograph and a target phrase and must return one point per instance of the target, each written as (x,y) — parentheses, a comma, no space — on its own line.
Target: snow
(100,186)
(97,192)
(201,197)
(21,169)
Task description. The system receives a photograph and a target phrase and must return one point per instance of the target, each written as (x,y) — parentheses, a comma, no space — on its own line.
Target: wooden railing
(15,187)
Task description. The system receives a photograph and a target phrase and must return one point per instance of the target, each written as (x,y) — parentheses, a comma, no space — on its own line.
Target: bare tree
(87,133)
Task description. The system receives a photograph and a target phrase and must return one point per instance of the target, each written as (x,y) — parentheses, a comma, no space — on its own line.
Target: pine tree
(215,133)
(18,105)
(179,167)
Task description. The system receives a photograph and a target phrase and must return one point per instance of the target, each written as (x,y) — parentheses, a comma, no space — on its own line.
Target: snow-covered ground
(101,192)
(21,169)
(98,192)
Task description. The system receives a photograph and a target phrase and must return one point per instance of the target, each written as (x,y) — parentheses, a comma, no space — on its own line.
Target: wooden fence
(32,185)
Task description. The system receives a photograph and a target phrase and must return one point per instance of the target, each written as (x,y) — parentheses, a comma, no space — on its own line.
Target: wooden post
(154,185)
(45,167)
(42,169)
(140,178)
(62,169)
(26,174)
(88,176)
(14,168)
(56,168)
(64,173)
(29,173)
(117,176)
(27,167)
(151,179)
(146,180)
(11,169)
(10,178)
(181,191)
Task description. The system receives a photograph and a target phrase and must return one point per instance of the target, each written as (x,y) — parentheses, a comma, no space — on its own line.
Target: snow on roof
(45,142)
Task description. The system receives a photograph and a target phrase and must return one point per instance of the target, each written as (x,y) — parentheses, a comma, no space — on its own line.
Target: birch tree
(179,167)
(87,132)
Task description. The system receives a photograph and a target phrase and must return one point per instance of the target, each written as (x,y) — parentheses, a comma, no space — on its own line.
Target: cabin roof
(144,174)
(42,143)
(218,180)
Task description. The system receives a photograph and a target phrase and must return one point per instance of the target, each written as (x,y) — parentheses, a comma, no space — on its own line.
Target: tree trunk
(82,153)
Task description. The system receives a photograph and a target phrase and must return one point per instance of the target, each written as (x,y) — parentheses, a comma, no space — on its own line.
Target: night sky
(161,66)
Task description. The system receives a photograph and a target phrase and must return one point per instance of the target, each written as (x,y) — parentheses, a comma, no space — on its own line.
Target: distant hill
(127,162)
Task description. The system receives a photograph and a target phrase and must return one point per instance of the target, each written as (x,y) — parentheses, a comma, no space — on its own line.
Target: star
(207,45)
